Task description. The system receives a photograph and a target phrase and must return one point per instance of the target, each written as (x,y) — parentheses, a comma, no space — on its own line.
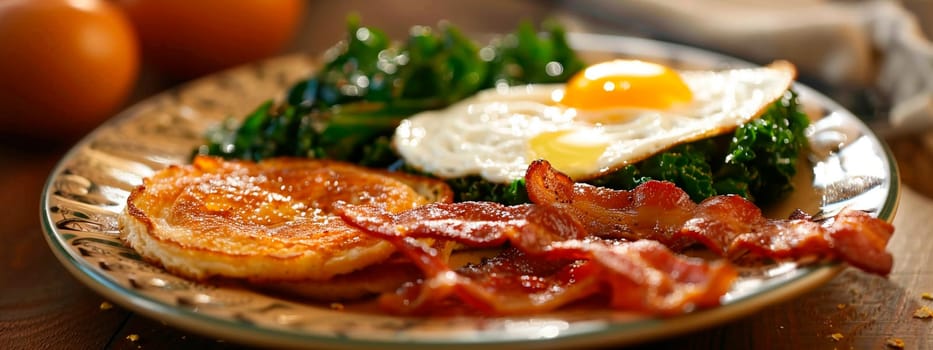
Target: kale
(350,107)
(687,165)
(528,57)
(475,188)
(762,157)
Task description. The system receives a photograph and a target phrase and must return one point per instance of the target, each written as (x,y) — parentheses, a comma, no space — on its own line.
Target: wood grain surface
(43,307)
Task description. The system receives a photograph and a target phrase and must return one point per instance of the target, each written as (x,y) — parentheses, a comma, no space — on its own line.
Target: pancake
(270,223)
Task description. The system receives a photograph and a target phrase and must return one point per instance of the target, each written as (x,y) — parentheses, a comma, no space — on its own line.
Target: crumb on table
(896,343)
(923,312)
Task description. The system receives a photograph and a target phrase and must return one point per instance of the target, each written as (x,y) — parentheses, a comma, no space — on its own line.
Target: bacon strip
(642,276)
(654,210)
(727,225)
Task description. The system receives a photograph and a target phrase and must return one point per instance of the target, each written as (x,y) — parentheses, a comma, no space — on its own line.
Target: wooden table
(43,306)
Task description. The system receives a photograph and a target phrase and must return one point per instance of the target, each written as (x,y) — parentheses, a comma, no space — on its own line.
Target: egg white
(488,134)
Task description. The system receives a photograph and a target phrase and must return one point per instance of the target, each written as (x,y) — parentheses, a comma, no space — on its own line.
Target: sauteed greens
(349,109)
(757,161)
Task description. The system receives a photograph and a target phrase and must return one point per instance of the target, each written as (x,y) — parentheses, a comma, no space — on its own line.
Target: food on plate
(578,241)
(271,223)
(727,225)
(748,143)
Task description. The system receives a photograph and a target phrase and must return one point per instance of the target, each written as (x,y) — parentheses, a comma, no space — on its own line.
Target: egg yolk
(626,83)
(573,152)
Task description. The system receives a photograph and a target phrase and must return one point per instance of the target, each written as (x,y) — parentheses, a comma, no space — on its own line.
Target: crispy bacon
(655,210)
(727,225)
(860,240)
(509,283)
(576,241)
(643,276)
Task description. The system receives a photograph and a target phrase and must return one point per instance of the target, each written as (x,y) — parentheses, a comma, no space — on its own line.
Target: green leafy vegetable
(762,156)
(351,106)
(527,57)
(688,165)
(474,188)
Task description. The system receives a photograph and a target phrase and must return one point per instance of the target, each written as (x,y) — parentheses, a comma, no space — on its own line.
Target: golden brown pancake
(269,223)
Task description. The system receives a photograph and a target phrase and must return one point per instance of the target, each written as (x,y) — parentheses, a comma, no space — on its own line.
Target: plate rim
(812,276)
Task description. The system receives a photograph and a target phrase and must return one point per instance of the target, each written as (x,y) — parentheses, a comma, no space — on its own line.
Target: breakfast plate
(848,166)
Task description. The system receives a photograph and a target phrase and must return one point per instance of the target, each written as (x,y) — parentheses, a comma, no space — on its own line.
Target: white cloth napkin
(873,45)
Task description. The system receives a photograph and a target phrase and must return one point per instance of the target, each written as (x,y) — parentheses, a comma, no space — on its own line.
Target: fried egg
(607,116)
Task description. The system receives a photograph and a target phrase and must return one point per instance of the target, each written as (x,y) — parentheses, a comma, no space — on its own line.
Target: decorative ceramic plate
(87,191)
